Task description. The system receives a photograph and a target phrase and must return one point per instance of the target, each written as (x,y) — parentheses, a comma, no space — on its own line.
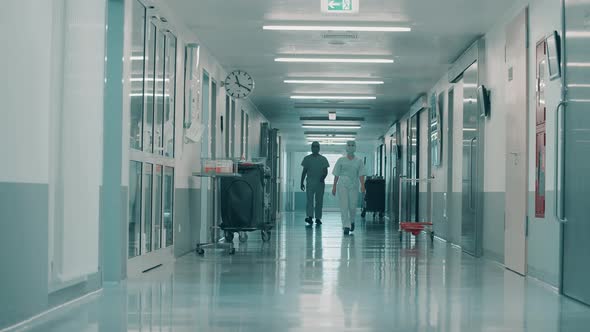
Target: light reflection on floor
(310,279)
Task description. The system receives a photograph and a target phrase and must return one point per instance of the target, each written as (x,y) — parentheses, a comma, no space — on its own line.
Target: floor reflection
(314,278)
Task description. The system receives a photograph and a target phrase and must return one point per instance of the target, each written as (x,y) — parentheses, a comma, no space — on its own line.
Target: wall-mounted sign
(340,6)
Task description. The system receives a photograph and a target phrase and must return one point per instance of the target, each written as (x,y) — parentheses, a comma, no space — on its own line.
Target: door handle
(559,165)
(471,170)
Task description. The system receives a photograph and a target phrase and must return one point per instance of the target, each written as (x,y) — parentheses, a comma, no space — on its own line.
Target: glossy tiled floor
(314,279)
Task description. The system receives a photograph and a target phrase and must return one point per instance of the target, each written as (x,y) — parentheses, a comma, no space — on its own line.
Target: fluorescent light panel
(334,97)
(330,138)
(336,28)
(359,82)
(335,60)
(320,136)
(330,127)
(329,143)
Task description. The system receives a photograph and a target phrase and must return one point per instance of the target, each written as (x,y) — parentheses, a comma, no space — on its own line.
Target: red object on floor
(414,227)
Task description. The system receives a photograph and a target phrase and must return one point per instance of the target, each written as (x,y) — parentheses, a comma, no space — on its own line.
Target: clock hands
(240,85)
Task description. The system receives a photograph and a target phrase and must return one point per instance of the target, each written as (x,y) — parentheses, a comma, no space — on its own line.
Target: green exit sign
(340,6)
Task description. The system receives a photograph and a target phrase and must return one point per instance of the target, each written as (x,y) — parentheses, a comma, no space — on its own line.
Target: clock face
(239,84)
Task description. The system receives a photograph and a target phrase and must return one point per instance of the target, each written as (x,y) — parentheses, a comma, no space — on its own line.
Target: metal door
(404,169)
(205,153)
(448,142)
(574,120)
(413,166)
(394,173)
(516,145)
(470,226)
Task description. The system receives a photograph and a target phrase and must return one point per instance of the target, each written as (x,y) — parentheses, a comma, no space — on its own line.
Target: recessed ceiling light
(333,82)
(330,138)
(325,136)
(336,28)
(328,143)
(310,126)
(335,60)
(332,116)
(335,97)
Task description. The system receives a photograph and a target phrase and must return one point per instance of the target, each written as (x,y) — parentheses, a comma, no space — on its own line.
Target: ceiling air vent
(342,36)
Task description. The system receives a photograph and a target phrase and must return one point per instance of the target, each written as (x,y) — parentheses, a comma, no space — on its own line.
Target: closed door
(470,223)
(448,160)
(403,197)
(413,166)
(395,166)
(205,145)
(573,176)
(516,145)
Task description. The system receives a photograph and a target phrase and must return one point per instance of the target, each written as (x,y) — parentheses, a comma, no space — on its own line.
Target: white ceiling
(441,30)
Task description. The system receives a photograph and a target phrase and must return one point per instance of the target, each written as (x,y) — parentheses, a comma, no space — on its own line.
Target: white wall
(76,156)
(25,89)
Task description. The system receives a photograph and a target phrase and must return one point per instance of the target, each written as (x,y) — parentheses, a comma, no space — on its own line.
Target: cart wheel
(229,236)
(265,236)
(200,251)
(243,237)
(232,251)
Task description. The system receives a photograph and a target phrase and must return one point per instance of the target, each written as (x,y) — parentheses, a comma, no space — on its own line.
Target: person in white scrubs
(349,172)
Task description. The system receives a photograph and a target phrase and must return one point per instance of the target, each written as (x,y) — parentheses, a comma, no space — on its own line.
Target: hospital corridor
(295,165)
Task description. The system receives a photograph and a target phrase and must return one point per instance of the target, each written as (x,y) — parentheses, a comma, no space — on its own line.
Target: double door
(411,189)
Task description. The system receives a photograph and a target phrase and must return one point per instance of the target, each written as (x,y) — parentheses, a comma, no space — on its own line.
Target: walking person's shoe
(318,222)
(346,230)
(309,221)
(352,227)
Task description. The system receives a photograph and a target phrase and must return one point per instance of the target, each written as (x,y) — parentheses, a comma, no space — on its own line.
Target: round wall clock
(239,84)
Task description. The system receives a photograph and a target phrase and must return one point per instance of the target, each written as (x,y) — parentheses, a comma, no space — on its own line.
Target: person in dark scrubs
(315,169)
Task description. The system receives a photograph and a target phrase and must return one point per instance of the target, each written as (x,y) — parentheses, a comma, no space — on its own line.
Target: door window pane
(148,127)
(170,96)
(158,208)
(232,147)
(137,75)
(159,95)
(134,208)
(247,135)
(169,206)
(147,207)
(227,126)
(242,119)
(214,120)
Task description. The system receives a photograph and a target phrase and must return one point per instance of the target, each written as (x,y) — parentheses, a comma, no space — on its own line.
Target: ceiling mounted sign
(340,6)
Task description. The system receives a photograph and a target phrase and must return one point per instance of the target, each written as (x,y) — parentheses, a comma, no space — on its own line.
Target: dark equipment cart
(245,204)
(374,200)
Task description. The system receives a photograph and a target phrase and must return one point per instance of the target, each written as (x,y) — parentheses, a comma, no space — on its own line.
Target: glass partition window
(159,94)
(134,208)
(147,207)
(137,75)
(169,96)
(158,208)
(150,63)
(168,206)
(152,131)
